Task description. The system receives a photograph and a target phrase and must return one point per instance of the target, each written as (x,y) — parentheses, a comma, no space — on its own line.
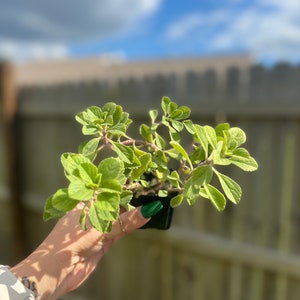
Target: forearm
(40,274)
(69,255)
(55,269)
(40,286)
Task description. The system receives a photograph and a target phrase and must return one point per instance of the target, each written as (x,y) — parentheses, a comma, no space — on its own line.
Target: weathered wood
(212,246)
(12,153)
(287,196)
(33,105)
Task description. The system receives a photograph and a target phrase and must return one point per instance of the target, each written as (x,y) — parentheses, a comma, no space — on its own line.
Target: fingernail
(150,209)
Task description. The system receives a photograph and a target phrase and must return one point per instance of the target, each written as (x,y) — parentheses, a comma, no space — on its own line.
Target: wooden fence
(248,252)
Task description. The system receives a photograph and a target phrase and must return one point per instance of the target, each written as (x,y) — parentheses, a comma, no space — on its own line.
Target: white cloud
(195,22)
(268,29)
(37,51)
(70,20)
(290,5)
(44,27)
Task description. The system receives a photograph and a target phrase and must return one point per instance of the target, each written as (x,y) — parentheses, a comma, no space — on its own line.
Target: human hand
(69,255)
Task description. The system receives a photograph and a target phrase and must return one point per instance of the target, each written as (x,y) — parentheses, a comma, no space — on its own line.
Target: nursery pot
(162,220)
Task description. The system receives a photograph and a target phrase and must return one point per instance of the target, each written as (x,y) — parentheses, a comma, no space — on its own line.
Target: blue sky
(267,30)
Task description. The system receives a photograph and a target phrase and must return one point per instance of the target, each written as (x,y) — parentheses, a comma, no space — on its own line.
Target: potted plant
(113,170)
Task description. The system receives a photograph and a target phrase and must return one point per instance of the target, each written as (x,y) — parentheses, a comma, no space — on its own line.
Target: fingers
(127,222)
(136,218)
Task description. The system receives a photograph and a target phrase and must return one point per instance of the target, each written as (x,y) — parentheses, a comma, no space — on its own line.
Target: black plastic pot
(162,220)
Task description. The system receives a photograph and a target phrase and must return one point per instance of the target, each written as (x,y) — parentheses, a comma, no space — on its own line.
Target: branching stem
(140,142)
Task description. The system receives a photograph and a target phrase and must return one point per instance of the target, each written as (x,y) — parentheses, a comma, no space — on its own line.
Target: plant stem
(140,142)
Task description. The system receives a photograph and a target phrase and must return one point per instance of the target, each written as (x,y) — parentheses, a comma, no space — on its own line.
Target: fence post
(8,97)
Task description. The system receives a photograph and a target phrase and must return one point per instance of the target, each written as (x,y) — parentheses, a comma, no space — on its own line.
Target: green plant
(106,185)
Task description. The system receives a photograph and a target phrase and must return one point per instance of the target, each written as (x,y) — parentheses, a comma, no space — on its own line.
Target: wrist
(11,287)
(37,276)
(30,281)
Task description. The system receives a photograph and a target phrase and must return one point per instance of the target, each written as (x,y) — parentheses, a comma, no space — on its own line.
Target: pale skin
(68,255)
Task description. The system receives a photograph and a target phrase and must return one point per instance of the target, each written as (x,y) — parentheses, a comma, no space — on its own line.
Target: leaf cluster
(139,166)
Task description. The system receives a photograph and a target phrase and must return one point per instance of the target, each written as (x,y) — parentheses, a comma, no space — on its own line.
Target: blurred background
(231,61)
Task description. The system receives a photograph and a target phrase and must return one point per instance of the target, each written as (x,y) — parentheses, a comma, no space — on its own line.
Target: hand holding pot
(69,255)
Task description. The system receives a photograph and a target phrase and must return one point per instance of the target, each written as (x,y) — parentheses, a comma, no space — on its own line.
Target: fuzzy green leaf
(177,125)
(165,105)
(214,195)
(174,179)
(200,176)
(162,193)
(159,141)
(176,114)
(125,119)
(235,138)
(146,134)
(221,129)
(89,115)
(186,111)
(112,169)
(109,107)
(50,212)
(90,130)
(144,163)
(174,135)
(110,186)
(78,190)
(231,188)
(117,115)
(206,136)
(89,148)
(182,151)
(176,201)
(173,153)
(62,201)
(71,162)
(108,206)
(173,106)
(218,158)
(91,119)
(162,172)
(242,159)
(159,158)
(200,137)
(117,129)
(125,198)
(189,126)
(211,136)
(94,113)
(198,155)
(88,173)
(125,153)
(153,114)
(104,211)
(96,219)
